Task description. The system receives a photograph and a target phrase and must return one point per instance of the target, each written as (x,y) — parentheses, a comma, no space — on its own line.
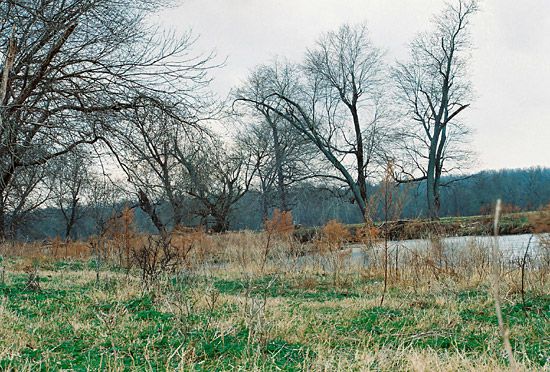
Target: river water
(511,247)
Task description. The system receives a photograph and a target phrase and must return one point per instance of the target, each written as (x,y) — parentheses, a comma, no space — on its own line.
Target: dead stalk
(523,264)
(504,330)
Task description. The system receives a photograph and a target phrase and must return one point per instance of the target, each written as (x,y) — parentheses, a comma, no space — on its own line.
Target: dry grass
(235,304)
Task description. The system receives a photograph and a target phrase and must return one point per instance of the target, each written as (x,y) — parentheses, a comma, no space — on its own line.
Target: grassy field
(251,308)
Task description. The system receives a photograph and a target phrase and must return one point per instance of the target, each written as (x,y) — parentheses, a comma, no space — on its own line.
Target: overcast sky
(510,63)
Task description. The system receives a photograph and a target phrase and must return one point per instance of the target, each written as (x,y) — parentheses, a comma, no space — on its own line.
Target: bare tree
(256,140)
(334,101)
(104,200)
(282,155)
(218,177)
(147,152)
(70,66)
(282,159)
(349,69)
(23,197)
(70,182)
(434,89)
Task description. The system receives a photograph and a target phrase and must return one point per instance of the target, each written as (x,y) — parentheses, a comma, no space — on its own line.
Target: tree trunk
(283,205)
(221,223)
(2,221)
(178,213)
(431,184)
(147,207)
(359,154)
(71,220)
(69,228)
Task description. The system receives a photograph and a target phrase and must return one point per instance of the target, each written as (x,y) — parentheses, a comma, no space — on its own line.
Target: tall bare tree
(349,70)
(256,140)
(433,88)
(25,195)
(334,101)
(281,155)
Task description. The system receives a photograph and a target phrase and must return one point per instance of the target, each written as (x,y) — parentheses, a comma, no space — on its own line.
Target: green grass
(75,323)
(324,289)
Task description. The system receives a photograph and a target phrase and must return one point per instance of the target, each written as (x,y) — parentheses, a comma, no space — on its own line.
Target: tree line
(99,109)
(311,205)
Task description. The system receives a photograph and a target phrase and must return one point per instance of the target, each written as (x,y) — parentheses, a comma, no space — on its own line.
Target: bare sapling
(392,205)
(33,279)
(503,328)
(255,305)
(95,245)
(121,234)
(266,248)
(523,264)
(154,257)
(369,236)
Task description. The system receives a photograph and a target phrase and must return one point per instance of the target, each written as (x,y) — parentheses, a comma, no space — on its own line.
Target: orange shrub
(281,224)
(367,234)
(333,236)
(122,234)
(59,248)
(193,243)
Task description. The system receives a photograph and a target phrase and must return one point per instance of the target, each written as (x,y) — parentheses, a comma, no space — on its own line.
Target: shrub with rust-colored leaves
(122,234)
(333,236)
(367,234)
(193,246)
(281,224)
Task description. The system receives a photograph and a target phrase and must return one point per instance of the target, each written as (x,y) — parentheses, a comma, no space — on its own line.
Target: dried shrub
(280,225)
(60,248)
(121,234)
(155,256)
(330,244)
(476,258)
(278,229)
(33,279)
(368,234)
(285,245)
(56,247)
(540,221)
(413,229)
(333,237)
(193,247)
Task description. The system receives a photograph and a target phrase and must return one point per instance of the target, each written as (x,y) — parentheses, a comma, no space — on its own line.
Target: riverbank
(509,224)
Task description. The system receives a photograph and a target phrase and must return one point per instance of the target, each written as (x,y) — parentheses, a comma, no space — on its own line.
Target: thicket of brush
(186,299)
